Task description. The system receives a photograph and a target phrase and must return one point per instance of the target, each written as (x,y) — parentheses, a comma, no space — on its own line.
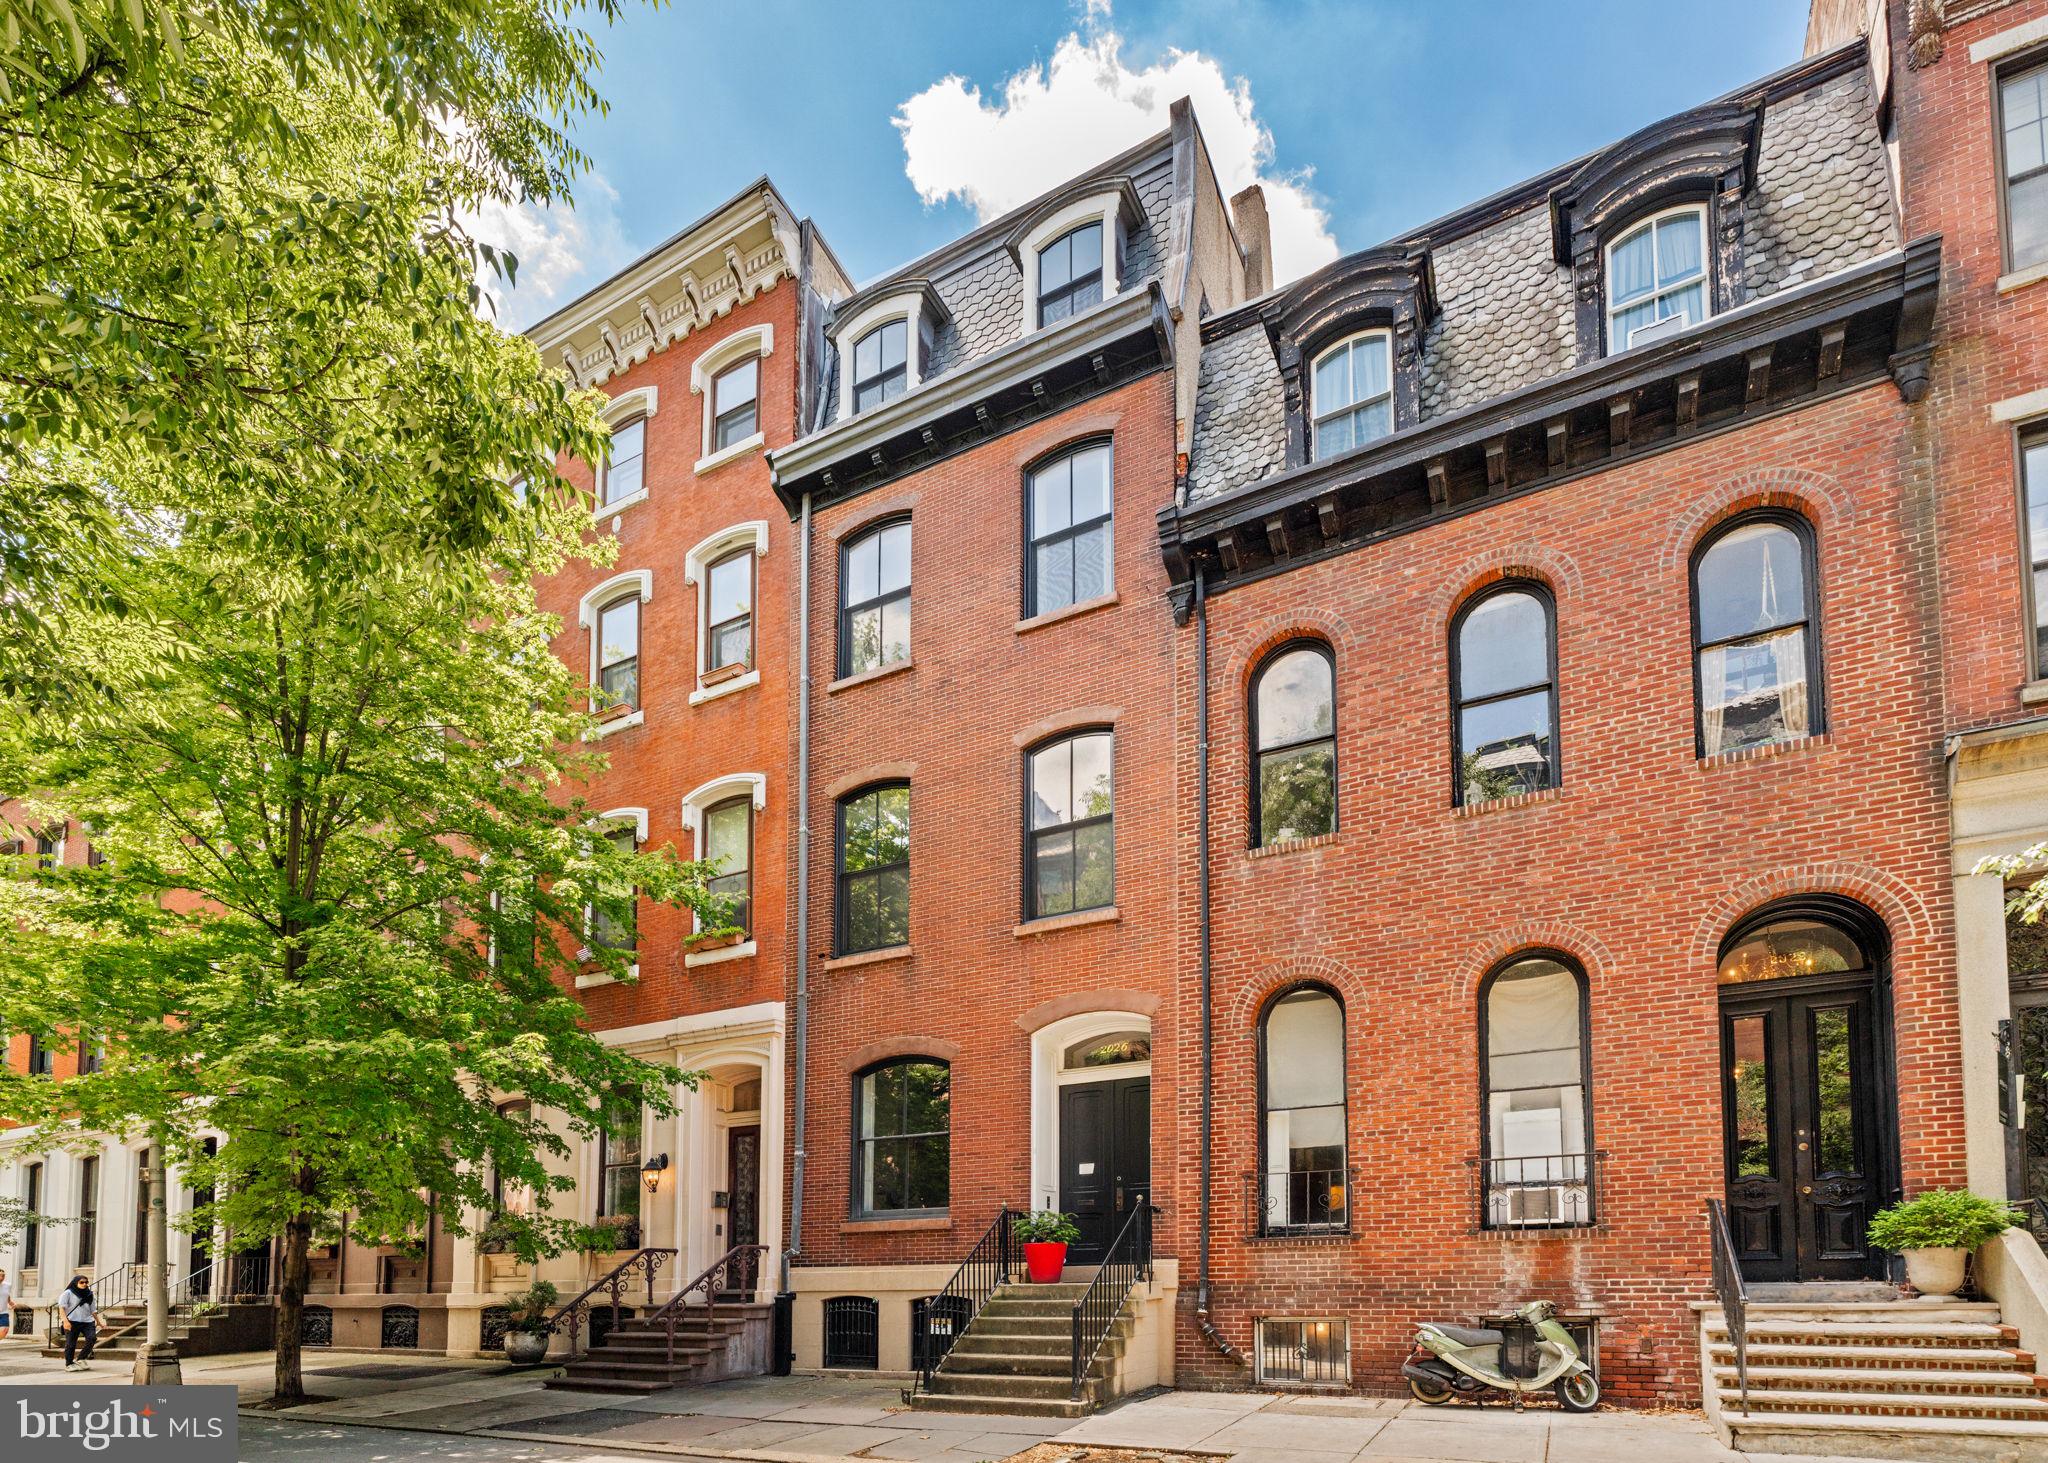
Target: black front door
(1105,1158)
(1799,1104)
(743,1204)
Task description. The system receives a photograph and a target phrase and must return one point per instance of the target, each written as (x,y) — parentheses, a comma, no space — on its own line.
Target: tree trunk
(290,1386)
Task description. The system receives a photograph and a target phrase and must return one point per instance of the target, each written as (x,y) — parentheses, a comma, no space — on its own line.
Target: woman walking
(81,1324)
(6,1307)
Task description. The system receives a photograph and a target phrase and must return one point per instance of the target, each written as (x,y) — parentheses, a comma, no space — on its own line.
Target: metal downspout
(1202,1320)
(803,892)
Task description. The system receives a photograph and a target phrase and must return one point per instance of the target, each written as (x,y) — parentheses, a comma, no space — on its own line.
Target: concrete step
(652,1350)
(1878,1404)
(1025,1324)
(1944,1438)
(1063,1406)
(1044,1343)
(1002,1384)
(1850,1380)
(1877,1332)
(1959,1358)
(1016,1363)
(1907,1312)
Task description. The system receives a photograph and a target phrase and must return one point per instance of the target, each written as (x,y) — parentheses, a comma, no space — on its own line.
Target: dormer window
(1070,274)
(881,370)
(1353,393)
(1657,279)
(735,403)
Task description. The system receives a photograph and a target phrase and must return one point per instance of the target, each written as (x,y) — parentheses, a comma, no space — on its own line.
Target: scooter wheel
(1578,1394)
(1427,1395)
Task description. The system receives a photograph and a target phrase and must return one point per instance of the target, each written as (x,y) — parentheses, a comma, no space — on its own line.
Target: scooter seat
(1472,1335)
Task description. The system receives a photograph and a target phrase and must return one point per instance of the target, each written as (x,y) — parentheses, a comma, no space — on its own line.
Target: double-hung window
(1353,393)
(874,599)
(1070,274)
(1657,279)
(903,1137)
(1503,654)
(1294,733)
(2034,490)
(881,369)
(735,404)
(729,611)
(874,869)
(618,1164)
(2023,117)
(729,843)
(624,475)
(615,920)
(88,1211)
(618,654)
(1072,532)
(1756,641)
(1071,863)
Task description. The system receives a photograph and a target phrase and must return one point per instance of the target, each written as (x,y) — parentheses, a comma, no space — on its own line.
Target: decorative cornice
(1708,150)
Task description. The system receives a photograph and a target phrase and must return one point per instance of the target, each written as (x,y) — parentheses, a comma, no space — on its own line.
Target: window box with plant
(1935,1232)
(526,1324)
(1045,1235)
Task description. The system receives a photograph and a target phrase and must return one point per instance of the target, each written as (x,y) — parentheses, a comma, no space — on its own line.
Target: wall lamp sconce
(652,1170)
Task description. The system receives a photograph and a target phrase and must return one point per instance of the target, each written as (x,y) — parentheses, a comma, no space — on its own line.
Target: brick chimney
(1249,210)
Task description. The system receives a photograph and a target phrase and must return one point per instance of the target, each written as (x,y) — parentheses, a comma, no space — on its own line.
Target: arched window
(903,1124)
(1352,401)
(729,843)
(1657,279)
(1756,634)
(874,599)
(1070,862)
(1504,681)
(1294,741)
(873,907)
(881,370)
(1072,542)
(1303,1185)
(1537,1139)
(1070,274)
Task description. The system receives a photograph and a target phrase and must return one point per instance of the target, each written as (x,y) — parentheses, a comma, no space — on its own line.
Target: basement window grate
(851,1325)
(1304,1353)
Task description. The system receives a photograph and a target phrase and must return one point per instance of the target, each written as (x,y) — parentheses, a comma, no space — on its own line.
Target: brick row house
(1387,794)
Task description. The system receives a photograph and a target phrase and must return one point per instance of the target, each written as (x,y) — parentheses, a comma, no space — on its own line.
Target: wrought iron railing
(1552,1191)
(735,1270)
(1127,1261)
(986,1268)
(1731,1292)
(238,1276)
(126,1286)
(2034,1215)
(1298,1202)
(576,1312)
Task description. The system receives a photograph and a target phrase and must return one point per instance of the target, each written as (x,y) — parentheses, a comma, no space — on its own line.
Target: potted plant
(1045,1235)
(526,1324)
(611,1234)
(1936,1231)
(716,938)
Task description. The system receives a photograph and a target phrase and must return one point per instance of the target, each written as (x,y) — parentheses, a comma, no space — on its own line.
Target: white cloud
(1054,121)
(562,249)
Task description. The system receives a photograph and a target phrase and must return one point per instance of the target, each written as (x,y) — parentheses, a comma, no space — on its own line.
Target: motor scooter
(1532,1353)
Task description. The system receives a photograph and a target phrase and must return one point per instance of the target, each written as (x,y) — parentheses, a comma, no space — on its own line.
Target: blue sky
(1382,114)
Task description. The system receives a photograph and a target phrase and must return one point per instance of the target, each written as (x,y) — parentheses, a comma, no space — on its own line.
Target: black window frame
(861,1146)
(1033,540)
(841,879)
(885,378)
(1499,968)
(744,913)
(140,1255)
(1069,293)
(92,1053)
(1032,835)
(606,499)
(1266,1226)
(89,1175)
(42,1060)
(847,610)
(1816,687)
(713,628)
(32,1228)
(606,705)
(1260,753)
(725,420)
(1554,761)
(2011,69)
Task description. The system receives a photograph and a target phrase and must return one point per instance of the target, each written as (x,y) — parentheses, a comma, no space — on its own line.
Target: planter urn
(1936,1273)
(526,1348)
(1044,1260)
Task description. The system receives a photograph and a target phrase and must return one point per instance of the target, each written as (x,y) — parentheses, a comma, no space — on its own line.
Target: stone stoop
(1017,1357)
(227,1327)
(1878,1379)
(635,1357)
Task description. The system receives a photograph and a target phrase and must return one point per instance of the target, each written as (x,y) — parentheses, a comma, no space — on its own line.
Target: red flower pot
(1043,1260)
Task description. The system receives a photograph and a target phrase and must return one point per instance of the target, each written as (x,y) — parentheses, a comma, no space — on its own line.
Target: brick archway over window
(1813,495)
(937,1048)
(1550,934)
(1082,1003)
(1263,636)
(1902,910)
(1319,969)
(1554,569)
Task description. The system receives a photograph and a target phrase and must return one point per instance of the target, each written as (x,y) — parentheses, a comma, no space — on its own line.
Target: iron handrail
(1127,1261)
(1730,1290)
(986,1268)
(123,1286)
(672,1309)
(613,1282)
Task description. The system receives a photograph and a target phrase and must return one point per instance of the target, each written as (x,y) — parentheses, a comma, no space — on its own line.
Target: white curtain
(1713,698)
(1788,653)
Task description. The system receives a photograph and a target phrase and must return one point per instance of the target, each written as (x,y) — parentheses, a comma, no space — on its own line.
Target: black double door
(1105,1159)
(1801,1090)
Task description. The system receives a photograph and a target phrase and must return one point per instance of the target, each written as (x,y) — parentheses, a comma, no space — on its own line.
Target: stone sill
(1785,748)
(2019,279)
(1508,804)
(2033,693)
(733,453)
(694,958)
(586,982)
(862,678)
(613,510)
(1344,1238)
(725,688)
(617,724)
(895,1226)
(1066,612)
(1292,845)
(1050,924)
(866,957)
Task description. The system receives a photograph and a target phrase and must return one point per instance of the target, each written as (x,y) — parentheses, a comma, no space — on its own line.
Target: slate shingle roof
(1821,201)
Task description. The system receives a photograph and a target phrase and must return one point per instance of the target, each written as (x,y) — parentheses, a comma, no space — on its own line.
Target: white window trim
(639,404)
(1706,276)
(2006,42)
(755,340)
(697,564)
(1099,208)
(1315,410)
(1048,1044)
(906,305)
(696,803)
(598,598)
(603,823)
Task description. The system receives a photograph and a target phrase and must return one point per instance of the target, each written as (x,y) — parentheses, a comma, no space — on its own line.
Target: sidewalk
(393,1407)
